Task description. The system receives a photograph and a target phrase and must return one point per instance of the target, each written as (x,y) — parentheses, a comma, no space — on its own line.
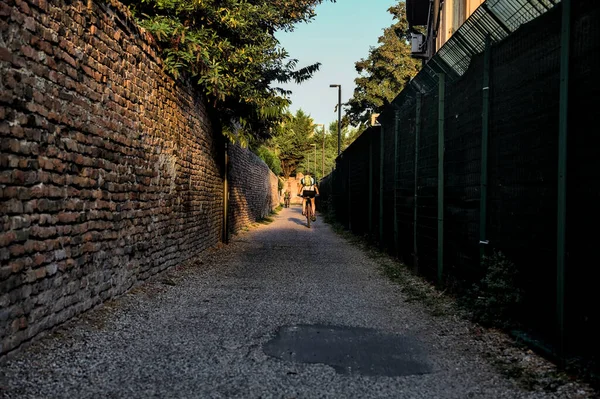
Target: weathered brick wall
(109,171)
(253,190)
(276,198)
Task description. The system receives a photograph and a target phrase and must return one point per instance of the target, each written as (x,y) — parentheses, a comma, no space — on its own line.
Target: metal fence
(473,156)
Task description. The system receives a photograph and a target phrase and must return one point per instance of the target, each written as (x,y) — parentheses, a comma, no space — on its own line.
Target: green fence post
(440,211)
(416,195)
(349,193)
(369,211)
(396,126)
(484,150)
(562,175)
(381,163)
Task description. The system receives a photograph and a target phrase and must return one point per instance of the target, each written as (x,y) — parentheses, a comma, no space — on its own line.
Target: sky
(338,36)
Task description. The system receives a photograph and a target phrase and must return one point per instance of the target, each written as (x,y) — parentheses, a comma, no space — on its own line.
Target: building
(432,22)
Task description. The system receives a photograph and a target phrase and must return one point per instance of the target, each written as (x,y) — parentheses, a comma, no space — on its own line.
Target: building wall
(454,13)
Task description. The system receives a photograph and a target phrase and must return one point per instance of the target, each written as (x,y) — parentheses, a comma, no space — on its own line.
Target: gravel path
(331,323)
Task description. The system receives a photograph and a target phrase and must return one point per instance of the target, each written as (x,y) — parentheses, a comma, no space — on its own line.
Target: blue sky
(340,35)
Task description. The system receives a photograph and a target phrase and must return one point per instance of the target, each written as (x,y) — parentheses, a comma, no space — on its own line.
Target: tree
(291,141)
(269,157)
(229,48)
(349,134)
(385,72)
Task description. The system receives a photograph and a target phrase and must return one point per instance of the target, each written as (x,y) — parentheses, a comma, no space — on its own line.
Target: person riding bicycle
(309,189)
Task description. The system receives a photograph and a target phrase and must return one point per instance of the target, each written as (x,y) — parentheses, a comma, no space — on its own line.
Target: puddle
(350,350)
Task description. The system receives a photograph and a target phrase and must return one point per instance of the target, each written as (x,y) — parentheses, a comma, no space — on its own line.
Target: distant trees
(295,142)
(291,141)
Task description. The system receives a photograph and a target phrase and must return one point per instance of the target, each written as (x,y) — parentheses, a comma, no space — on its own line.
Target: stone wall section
(109,169)
(254,189)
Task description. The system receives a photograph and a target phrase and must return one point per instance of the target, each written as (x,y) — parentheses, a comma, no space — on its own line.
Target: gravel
(199,331)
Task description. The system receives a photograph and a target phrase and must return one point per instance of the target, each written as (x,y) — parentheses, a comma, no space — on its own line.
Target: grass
(265,220)
(268,219)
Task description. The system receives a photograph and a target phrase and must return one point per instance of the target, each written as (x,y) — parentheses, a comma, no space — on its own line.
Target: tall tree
(292,139)
(385,72)
(229,48)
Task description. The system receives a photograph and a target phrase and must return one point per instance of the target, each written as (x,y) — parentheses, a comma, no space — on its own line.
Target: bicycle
(308,207)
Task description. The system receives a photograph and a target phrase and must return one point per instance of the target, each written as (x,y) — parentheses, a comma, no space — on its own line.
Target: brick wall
(254,189)
(109,169)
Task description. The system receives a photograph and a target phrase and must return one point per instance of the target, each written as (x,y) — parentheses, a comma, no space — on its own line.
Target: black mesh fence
(583,179)
(524,88)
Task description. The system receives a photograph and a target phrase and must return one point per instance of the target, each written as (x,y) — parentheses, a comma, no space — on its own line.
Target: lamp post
(315,161)
(323,152)
(339,108)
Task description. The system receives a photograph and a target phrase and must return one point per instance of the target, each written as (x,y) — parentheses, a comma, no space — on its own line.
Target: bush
(494,300)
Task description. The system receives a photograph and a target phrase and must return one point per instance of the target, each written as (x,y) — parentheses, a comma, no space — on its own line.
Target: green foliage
(385,72)
(270,158)
(496,297)
(349,134)
(229,48)
(295,142)
(292,139)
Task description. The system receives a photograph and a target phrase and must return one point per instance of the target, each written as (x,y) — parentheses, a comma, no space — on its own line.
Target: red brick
(7,238)
(30,24)
(18,265)
(39,259)
(67,217)
(40,273)
(6,55)
(30,52)
(5,9)
(12,206)
(9,192)
(23,6)
(16,250)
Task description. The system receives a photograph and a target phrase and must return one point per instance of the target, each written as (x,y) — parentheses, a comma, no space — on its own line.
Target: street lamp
(308,163)
(315,161)
(323,152)
(339,107)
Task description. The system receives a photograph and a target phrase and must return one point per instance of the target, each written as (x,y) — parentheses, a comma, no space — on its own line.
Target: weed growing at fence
(496,297)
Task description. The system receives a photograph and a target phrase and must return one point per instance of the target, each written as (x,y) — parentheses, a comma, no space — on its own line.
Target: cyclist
(309,189)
